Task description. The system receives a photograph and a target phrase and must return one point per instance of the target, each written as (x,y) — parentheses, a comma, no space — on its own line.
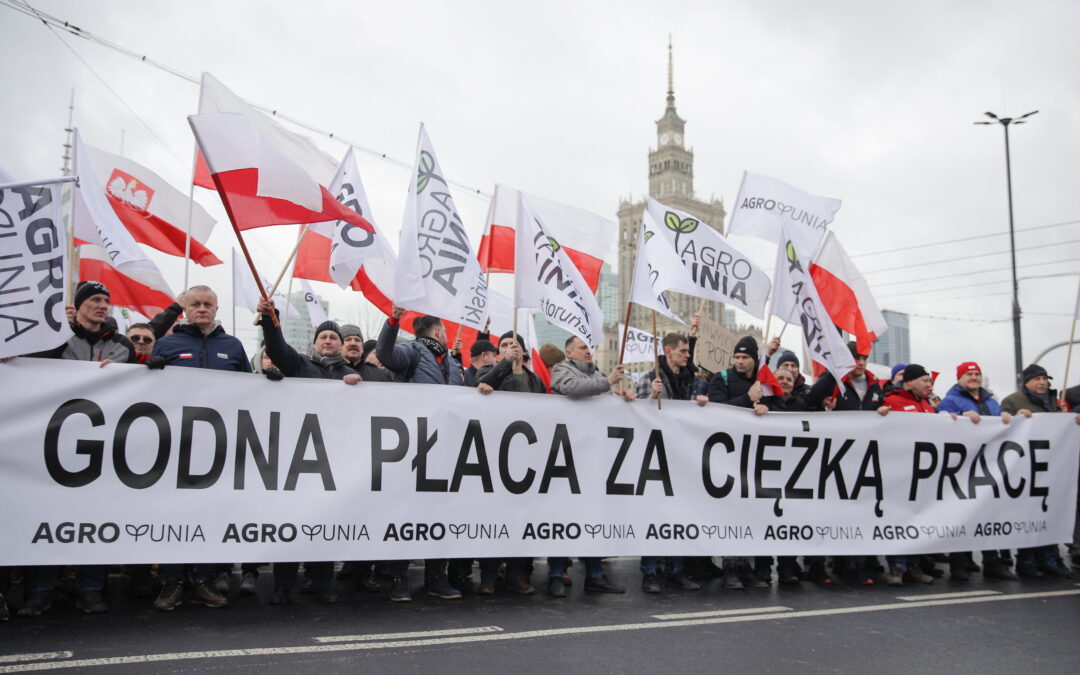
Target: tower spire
(670,76)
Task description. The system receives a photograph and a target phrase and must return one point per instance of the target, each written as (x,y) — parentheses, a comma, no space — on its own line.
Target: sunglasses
(141,338)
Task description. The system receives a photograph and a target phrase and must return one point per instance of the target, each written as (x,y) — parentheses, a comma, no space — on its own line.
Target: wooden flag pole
(626,330)
(656,357)
(1068,358)
(284,268)
(243,245)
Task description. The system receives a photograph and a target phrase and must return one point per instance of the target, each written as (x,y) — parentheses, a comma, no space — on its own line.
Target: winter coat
(217,350)
(105,344)
(958,400)
(846,398)
(578,379)
(293,364)
(902,400)
(399,358)
(500,376)
(731,387)
(163,320)
(681,386)
(1017,401)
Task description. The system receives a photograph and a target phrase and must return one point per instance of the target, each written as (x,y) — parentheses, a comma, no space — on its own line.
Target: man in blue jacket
(200,343)
(969,399)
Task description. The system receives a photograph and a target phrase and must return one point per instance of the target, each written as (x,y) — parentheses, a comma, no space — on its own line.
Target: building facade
(894,346)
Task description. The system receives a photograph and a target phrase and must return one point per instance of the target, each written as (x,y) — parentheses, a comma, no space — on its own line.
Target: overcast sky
(868,102)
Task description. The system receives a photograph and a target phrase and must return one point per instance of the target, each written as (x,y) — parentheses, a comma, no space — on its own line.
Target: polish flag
(846,295)
(108,252)
(770,386)
(584,236)
(264,174)
(154,212)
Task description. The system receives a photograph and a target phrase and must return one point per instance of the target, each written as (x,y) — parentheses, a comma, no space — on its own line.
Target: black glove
(156,362)
(274,375)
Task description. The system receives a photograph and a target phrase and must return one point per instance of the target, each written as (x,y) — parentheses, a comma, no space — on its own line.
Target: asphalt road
(978,626)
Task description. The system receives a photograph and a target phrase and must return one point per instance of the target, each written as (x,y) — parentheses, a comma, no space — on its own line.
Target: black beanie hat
(85,289)
(1033,371)
(350,330)
(325,326)
(481,346)
(787,356)
(747,345)
(913,372)
(510,333)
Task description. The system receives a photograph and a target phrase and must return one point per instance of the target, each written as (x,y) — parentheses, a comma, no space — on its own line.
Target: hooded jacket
(104,344)
(578,379)
(846,397)
(292,364)
(902,400)
(429,369)
(217,350)
(959,400)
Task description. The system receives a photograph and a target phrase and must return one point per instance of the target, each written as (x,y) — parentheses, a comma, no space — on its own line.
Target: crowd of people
(503,364)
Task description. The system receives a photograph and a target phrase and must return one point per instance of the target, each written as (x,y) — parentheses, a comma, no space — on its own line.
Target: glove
(156,362)
(274,375)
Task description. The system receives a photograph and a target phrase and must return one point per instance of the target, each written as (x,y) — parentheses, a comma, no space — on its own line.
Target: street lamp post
(1005,122)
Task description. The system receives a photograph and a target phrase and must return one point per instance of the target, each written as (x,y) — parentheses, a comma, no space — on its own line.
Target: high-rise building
(299,332)
(894,346)
(671,181)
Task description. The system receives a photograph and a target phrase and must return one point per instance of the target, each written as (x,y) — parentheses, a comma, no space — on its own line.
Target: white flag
(716,270)
(437,271)
(656,270)
(546,279)
(796,301)
(33,248)
(316,311)
(765,204)
(246,293)
(639,345)
(351,245)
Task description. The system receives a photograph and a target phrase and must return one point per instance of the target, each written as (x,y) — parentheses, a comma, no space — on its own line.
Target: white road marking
(520,635)
(42,656)
(723,612)
(401,636)
(946,596)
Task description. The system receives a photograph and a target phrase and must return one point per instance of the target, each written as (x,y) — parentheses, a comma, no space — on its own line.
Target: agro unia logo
(128,189)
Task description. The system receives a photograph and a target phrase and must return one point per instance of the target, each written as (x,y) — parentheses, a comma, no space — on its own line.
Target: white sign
(639,345)
(125,465)
(33,269)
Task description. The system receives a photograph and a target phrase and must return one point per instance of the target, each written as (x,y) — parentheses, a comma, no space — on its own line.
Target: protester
(1035,396)
(354,352)
(424,360)
(578,377)
(142,339)
(675,380)
(481,354)
(1072,402)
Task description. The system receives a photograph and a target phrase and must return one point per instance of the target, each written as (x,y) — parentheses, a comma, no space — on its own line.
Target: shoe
(556,587)
(996,569)
(895,577)
(486,587)
(1058,570)
(327,597)
(959,572)
(221,582)
(1029,571)
(399,590)
(520,586)
(818,575)
(280,596)
(247,584)
(927,566)
(858,577)
(441,588)
(682,582)
(916,575)
(91,602)
(751,580)
(368,585)
(649,584)
(202,593)
(308,587)
(602,584)
(731,581)
(5,613)
(1006,557)
(170,597)
(938,557)
(37,602)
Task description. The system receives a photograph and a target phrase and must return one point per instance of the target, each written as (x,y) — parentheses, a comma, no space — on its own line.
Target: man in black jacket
(352,349)
(327,364)
(510,373)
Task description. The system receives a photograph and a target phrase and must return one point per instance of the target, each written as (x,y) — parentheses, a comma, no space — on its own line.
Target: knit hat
(510,333)
(896,369)
(86,289)
(482,347)
(1072,397)
(787,356)
(325,326)
(967,367)
(550,355)
(914,371)
(854,349)
(350,330)
(1033,371)
(747,345)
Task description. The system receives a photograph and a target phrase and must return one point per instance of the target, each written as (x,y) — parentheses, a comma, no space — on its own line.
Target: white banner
(33,269)
(714,269)
(437,271)
(639,345)
(125,465)
(764,204)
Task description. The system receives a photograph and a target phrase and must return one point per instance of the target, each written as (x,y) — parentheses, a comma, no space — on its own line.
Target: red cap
(967,367)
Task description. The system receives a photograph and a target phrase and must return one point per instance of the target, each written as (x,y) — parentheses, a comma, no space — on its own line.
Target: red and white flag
(264,174)
(109,253)
(586,238)
(154,212)
(846,295)
(770,386)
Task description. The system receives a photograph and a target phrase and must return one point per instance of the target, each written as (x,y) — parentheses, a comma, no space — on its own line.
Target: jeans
(87,578)
(320,573)
(516,568)
(671,565)
(1040,556)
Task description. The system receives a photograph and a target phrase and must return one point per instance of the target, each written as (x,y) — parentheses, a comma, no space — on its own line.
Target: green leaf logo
(649,235)
(555,246)
(425,171)
(792,257)
(680,225)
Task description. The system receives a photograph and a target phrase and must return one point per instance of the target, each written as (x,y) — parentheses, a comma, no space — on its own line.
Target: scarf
(437,348)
